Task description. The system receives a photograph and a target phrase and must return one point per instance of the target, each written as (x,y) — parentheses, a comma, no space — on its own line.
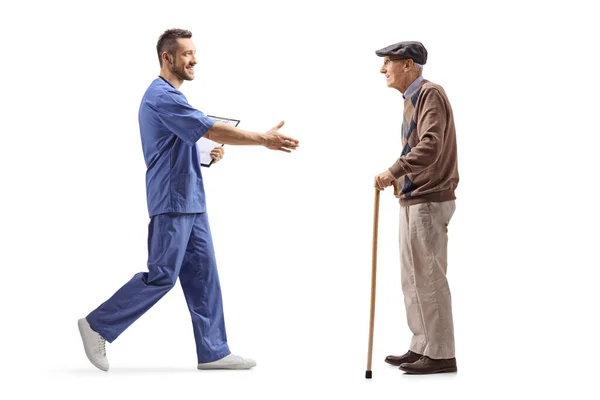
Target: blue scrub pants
(179,245)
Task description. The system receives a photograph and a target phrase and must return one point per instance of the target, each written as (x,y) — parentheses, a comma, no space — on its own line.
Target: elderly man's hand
(217,153)
(384,180)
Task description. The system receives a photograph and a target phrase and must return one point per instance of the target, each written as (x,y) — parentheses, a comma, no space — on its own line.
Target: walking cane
(369,374)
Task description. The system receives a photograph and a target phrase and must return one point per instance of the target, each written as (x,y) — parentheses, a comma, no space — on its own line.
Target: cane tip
(369,375)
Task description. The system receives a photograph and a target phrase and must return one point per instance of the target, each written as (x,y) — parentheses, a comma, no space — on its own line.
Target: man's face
(396,73)
(182,64)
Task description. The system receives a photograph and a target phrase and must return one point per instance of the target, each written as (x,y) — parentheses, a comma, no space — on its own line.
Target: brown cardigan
(427,170)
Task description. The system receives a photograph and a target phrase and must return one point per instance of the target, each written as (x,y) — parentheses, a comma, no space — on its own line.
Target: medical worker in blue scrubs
(179,239)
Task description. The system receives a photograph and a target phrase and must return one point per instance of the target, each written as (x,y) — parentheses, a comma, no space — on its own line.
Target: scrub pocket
(187,192)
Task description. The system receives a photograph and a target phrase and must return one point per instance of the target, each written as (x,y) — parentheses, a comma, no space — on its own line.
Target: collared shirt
(169,129)
(413,86)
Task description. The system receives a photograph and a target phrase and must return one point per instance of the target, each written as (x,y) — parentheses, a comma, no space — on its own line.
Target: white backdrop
(293,231)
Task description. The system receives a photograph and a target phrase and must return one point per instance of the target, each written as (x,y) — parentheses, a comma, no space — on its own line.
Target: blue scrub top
(170,128)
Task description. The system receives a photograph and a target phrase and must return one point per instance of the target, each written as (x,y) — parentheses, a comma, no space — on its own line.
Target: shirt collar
(413,86)
(166,81)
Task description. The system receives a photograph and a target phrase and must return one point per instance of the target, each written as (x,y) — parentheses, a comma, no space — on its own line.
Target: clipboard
(206,145)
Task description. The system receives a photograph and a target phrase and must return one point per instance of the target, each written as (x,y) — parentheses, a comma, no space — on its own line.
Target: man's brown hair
(168,41)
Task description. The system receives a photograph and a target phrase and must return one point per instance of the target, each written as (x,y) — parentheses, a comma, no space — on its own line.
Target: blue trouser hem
(217,355)
(223,352)
(108,337)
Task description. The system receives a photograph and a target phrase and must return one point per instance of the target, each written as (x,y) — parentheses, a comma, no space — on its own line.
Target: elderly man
(427,174)
(180,245)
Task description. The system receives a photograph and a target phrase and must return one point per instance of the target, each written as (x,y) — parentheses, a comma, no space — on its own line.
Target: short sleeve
(178,116)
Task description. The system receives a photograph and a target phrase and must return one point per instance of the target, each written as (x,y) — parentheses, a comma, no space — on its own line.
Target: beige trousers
(423,260)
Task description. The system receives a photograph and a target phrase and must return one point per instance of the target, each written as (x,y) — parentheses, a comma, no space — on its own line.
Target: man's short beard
(180,75)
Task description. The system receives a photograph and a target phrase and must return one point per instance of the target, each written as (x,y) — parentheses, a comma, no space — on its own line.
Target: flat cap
(414,50)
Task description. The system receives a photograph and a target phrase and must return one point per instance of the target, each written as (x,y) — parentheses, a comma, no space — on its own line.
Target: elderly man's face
(397,73)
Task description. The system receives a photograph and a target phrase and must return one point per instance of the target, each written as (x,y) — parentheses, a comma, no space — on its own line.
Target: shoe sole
(80,325)
(438,371)
(224,367)
(397,364)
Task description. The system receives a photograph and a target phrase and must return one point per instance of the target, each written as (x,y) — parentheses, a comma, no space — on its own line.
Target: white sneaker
(229,362)
(94,345)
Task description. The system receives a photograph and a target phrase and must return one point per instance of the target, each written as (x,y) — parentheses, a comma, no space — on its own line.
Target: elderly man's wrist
(396,170)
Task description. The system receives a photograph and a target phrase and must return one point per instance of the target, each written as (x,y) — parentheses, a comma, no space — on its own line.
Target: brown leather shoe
(408,358)
(426,365)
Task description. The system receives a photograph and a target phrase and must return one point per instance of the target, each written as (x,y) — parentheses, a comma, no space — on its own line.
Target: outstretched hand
(276,141)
